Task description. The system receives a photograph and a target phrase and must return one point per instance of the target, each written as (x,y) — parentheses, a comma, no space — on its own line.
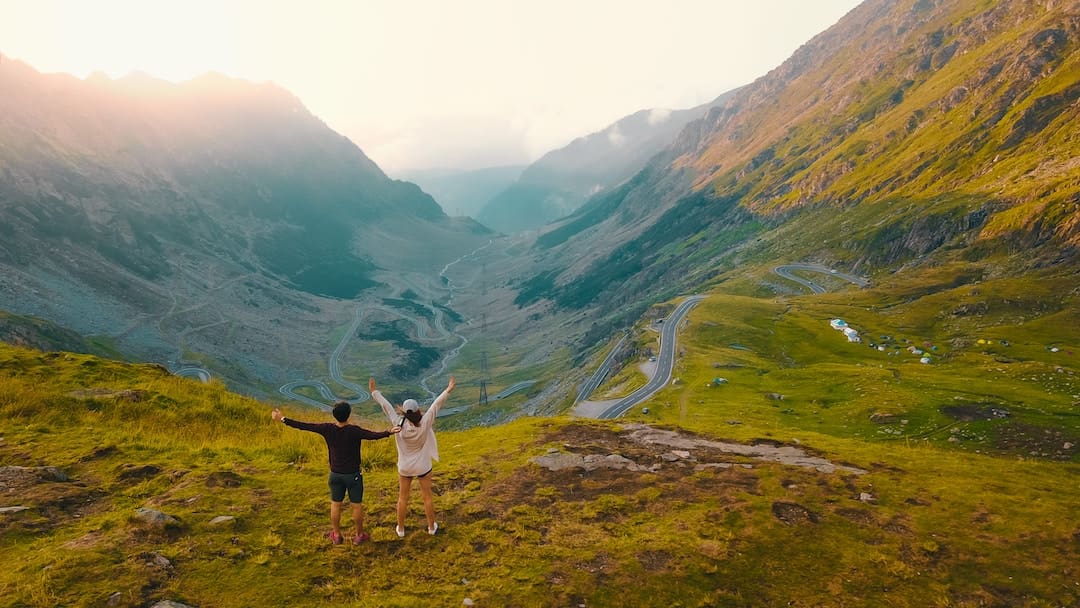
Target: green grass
(626,381)
(961,512)
(829,385)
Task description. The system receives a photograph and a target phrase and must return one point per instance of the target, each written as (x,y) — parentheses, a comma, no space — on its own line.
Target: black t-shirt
(342,442)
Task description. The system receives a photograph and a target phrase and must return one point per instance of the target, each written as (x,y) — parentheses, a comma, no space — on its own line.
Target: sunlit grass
(956,516)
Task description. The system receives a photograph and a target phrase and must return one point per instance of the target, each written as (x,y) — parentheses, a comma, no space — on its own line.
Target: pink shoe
(359,538)
(335,537)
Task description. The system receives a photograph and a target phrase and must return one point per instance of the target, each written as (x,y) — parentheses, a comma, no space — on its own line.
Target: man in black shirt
(343,446)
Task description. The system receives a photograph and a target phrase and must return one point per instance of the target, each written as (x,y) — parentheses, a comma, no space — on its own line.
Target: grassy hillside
(1000,374)
(908,491)
(911,133)
(43,335)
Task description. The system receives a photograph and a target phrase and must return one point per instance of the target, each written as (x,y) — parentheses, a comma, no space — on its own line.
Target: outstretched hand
(276,415)
(371,385)
(395,430)
(450,385)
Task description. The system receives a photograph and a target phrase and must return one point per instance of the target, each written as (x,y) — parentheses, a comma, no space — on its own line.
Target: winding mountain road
(513,388)
(601,373)
(786,271)
(289,391)
(665,361)
(199,373)
(334,364)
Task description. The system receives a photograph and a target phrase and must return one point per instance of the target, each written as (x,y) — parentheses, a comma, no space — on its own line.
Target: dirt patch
(86,541)
(858,516)
(915,501)
(648,467)
(130,395)
(793,514)
(100,452)
(14,479)
(971,412)
(51,498)
(897,525)
(599,565)
(597,459)
(578,434)
(223,479)
(137,472)
(1034,441)
(568,485)
(654,561)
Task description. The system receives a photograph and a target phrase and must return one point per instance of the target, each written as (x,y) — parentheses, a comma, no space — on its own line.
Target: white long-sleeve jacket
(416,444)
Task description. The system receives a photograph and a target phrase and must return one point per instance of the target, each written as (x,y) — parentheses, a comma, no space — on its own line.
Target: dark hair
(414,417)
(342,411)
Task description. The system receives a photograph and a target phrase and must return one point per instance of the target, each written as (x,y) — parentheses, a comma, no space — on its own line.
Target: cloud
(658,116)
(615,136)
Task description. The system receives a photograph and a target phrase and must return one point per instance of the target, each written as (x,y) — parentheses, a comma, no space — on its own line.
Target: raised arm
(370,434)
(387,409)
(277,416)
(441,399)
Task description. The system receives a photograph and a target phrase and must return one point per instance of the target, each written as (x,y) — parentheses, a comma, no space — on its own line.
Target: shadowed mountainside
(128,204)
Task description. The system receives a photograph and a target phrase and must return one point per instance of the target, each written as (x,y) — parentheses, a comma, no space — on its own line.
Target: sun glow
(174,41)
(429,83)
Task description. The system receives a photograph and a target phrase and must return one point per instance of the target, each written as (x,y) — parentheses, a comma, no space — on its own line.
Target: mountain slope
(561,180)
(43,335)
(910,130)
(182,217)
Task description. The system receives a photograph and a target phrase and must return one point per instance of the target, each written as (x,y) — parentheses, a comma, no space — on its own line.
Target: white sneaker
(432,531)
(400,531)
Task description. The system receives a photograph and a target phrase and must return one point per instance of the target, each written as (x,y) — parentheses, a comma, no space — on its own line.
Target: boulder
(155,517)
(157,560)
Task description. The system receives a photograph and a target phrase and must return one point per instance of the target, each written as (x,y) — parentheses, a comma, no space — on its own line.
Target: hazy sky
(435,83)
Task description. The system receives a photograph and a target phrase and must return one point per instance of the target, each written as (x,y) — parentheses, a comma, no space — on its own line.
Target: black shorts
(351,482)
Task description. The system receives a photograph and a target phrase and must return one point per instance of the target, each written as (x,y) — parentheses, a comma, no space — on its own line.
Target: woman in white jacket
(416,448)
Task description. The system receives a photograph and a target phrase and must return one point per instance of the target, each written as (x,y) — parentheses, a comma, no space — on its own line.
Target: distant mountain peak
(562,180)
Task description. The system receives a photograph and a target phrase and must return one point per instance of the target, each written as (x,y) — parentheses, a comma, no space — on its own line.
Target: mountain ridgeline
(561,180)
(121,170)
(215,219)
(221,218)
(911,132)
